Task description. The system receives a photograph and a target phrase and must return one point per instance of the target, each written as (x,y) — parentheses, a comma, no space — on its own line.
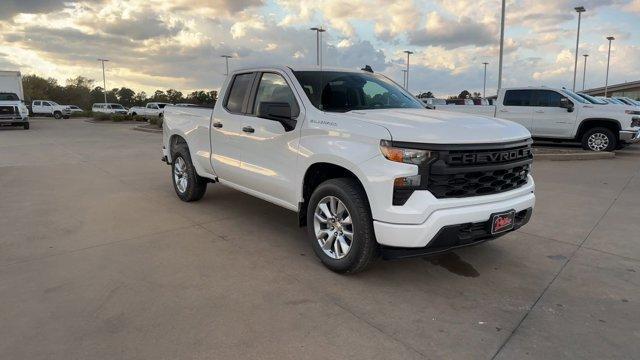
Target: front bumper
(629,136)
(456,236)
(13,121)
(423,234)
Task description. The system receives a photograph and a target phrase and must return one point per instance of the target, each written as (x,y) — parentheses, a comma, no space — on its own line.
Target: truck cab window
(273,88)
(517,98)
(238,92)
(546,98)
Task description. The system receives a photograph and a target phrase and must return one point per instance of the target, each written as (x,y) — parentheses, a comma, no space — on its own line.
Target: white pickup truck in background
(367,168)
(561,114)
(13,111)
(152,109)
(50,108)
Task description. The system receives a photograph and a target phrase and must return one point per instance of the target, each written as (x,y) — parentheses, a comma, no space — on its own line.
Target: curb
(112,122)
(148,130)
(575,156)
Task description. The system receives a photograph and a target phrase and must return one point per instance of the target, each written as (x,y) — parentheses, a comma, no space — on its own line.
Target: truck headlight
(635,121)
(404,186)
(407,156)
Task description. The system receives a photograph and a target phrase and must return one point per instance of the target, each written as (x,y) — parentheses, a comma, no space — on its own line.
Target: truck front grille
(473,170)
(8,112)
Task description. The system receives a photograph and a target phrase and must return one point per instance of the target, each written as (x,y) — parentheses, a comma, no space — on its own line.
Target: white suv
(108,108)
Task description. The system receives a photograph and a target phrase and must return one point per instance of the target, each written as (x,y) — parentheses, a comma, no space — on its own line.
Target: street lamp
(404,78)
(104,79)
(606,82)
(579,10)
(484,86)
(501,45)
(407,82)
(584,72)
(319,31)
(226,59)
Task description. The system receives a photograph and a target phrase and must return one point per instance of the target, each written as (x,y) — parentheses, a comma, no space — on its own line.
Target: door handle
(248,129)
(217,125)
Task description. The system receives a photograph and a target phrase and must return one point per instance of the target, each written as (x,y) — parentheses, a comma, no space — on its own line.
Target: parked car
(108,108)
(611,100)
(50,108)
(152,109)
(74,109)
(432,102)
(561,114)
(13,111)
(459,102)
(367,168)
(626,100)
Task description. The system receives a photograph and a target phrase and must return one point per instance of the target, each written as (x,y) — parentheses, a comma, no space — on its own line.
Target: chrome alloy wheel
(333,227)
(598,141)
(180,174)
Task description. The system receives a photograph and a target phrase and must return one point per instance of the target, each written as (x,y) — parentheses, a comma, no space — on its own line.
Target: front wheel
(189,186)
(57,115)
(340,226)
(599,139)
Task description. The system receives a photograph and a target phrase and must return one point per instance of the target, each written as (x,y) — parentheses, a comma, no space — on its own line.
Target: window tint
(273,88)
(36,103)
(546,98)
(238,92)
(517,98)
(44,103)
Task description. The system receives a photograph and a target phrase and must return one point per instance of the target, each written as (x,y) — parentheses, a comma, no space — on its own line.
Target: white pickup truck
(561,114)
(152,109)
(50,108)
(367,168)
(13,111)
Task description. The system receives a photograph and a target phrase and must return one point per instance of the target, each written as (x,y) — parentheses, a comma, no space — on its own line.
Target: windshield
(53,103)
(116,106)
(337,91)
(161,106)
(9,97)
(575,96)
(592,99)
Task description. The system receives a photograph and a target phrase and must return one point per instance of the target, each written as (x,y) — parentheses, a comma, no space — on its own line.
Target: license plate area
(503,221)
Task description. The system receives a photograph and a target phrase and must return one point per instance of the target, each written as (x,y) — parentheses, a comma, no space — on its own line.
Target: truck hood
(442,127)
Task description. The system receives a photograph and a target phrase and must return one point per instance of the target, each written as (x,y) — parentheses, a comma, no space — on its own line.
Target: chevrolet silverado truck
(368,169)
(561,114)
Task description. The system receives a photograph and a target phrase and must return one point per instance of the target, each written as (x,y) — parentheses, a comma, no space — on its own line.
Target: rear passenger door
(516,106)
(549,119)
(226,128)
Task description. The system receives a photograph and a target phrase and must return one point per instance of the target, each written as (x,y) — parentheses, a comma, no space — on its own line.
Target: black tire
(25,126)
(57,115)
(364,248)
(134,114)
(196,185)
(611,141)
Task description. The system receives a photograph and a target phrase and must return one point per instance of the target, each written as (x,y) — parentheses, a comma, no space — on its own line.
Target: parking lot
(100,260)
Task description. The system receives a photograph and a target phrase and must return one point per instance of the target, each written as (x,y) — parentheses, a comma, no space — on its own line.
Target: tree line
(80,91)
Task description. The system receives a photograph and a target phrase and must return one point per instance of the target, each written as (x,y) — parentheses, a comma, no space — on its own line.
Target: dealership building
(628,89)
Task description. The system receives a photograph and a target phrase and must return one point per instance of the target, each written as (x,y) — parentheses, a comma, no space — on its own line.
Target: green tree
(126,96)
(174,96)
(464,95)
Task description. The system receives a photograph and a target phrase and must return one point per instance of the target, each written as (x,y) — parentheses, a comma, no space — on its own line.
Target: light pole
(484,86)
(579,10)
(584,72)
(319,31)
(104,79)
(404,78)
(501,45)
(408,52)
(226,59)
(606,82)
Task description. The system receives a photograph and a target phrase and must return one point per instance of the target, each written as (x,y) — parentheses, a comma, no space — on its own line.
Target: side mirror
(278,111)
(566,104)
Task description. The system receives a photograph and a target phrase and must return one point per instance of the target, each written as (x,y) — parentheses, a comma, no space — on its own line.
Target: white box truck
(13,111)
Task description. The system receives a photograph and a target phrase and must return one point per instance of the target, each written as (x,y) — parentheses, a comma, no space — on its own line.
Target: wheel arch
(318,172)
(585,125)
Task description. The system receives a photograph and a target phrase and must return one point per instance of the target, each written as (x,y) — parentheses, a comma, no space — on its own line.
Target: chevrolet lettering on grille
(489,157)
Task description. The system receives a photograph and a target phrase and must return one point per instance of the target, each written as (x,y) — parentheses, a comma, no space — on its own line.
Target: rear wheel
(189,186)
(340,226)
(599,139)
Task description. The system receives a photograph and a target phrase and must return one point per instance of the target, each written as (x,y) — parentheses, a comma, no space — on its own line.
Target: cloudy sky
(177,44)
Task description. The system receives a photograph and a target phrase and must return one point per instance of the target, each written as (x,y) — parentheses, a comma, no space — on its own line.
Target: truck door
(549,119)
(516,106)
(36,107)
(226,129)
(270,150)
